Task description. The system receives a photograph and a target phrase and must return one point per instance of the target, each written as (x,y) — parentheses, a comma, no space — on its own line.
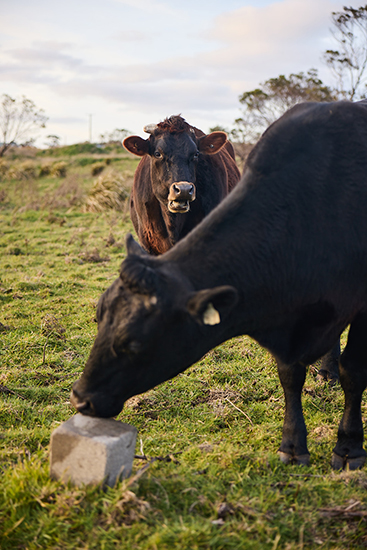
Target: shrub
(58,170)
(4,167)
(98,168)
(45,169)
(85,161)
(108,192)
(70,150)
(23,171)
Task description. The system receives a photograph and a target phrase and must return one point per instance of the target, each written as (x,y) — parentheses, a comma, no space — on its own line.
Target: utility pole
(90,127)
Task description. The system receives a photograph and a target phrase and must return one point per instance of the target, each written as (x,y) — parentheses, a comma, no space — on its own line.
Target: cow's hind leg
(329,370)
(348,451)
(293,448)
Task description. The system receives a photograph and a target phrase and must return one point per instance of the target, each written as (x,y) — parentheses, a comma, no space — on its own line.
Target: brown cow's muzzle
(181,194)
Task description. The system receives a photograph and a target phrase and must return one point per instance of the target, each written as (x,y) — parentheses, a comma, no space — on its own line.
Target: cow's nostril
(85,407)
(82,405)
(176,189)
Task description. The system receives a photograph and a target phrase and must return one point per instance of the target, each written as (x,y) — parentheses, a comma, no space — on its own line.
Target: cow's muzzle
(82,405)
(181,194)
(94,403)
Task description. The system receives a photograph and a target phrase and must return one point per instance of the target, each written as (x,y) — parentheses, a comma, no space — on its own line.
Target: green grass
(214,430)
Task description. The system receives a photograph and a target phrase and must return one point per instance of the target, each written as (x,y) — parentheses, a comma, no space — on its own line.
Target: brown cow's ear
(209,306)
(212,143)
(136,145)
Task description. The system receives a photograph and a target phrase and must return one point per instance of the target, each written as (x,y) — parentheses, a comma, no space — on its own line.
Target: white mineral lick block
(89,450)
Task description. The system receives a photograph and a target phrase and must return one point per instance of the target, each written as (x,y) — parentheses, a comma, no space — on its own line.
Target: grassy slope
(217,482)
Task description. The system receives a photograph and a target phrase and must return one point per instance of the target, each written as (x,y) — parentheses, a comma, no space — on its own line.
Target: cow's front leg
(293,448)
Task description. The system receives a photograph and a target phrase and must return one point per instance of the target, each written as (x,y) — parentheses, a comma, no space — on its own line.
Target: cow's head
(174,150)
(151,326)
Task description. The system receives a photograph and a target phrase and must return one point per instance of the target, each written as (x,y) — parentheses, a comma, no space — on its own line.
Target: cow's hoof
(325,376)
(300,460)
(342,463)
(337,462)
(355,463)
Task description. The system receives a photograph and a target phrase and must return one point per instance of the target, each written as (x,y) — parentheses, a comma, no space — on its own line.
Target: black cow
(283,259)
(182,176)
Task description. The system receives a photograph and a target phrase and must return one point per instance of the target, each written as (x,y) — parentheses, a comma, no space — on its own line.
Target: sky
(96,66)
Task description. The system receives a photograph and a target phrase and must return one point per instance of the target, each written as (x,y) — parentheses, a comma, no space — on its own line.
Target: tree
(18,119)
(116,135)
(240,136)
(219,128)
(348,63)
(53,141)
(263,105)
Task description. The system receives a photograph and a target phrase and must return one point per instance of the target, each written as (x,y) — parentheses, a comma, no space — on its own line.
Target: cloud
(43,63)
(238,50)
(66,120)
(44,58)
(53,45)
(259,29)
(130,35)
(174,96)
(256,43)
(149,5)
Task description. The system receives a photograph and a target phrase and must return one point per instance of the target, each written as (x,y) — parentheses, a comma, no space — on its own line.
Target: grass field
(209,476)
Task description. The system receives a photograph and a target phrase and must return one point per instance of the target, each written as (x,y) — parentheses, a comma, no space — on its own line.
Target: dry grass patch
(25,170)
(108,192)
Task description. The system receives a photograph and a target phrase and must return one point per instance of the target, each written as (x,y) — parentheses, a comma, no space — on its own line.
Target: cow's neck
(179,225)
(210,257)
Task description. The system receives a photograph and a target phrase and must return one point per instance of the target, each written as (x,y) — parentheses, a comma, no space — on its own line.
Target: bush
(108,192)
(70,150)
(4,167)
(45,169)
(98,168)
(58,170)
(85,161)
(25,170)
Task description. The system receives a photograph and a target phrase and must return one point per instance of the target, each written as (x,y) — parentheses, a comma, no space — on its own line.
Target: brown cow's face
(174,159)
(151,326)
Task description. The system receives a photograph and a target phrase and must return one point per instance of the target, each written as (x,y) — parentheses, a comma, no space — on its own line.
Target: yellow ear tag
(211,315)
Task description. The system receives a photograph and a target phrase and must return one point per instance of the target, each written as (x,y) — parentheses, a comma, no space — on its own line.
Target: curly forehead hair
(173,124)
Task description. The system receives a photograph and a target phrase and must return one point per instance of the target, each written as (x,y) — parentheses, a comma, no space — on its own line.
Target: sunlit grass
(216,481)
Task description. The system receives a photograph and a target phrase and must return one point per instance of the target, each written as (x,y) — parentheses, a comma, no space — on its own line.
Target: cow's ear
(134,248)
(210,306)
(136,145)
(212,143)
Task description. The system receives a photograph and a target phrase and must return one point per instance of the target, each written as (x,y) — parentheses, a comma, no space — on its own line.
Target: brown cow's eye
(158,155)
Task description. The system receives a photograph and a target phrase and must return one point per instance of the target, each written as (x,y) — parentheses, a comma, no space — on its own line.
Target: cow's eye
(129,346)
(134,346)
(158,155)
(196,156)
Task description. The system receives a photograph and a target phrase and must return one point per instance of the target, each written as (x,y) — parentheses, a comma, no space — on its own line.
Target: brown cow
(182,176)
